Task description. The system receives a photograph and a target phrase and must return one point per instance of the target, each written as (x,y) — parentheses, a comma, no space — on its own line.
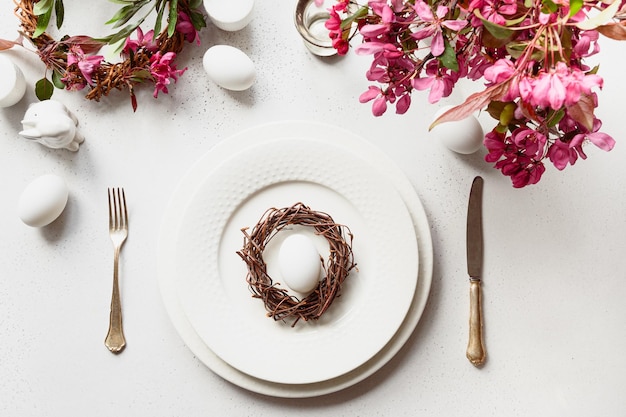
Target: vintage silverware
(118,230)
(475,347)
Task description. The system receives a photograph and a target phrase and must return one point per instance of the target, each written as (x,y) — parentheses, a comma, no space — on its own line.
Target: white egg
(43,200)
(462,136)
(229,67)
(229,15)
(299,263)
(12,82)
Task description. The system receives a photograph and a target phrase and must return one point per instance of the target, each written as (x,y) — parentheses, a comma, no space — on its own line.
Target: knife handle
(475,347)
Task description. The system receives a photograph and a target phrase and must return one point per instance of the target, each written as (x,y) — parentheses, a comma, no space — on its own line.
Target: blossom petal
(601,140)
(437,46)
(371,93)
(372,31)
(379,107)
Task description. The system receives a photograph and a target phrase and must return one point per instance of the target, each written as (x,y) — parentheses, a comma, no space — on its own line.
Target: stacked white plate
(203,279)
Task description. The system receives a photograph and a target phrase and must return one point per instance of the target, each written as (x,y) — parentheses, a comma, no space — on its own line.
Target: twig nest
(461,136)
(12,82)
(279,303)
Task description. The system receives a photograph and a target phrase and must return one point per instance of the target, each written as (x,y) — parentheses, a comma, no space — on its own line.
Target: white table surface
(554,272)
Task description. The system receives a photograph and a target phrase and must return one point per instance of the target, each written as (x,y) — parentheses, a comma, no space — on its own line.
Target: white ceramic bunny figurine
(50,123)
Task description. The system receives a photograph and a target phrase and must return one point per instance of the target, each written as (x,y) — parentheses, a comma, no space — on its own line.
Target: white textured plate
(215,296)
(169,276)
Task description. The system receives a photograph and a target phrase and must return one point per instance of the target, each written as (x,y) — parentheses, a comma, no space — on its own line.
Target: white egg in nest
(43,200)
(299,263)
(463,136)
(229,67)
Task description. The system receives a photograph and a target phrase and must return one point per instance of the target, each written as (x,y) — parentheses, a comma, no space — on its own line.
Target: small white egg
(229,15)
(229,67)
(43,200)
(299,263)
(462,136)
(12,82)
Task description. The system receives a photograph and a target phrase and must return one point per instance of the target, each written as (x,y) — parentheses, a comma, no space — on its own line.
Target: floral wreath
(74,64)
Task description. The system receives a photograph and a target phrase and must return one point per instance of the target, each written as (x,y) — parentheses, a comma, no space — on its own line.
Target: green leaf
(507,114)
(197,19)
(42,23)
(42,7)
(194,4)
(498,31)
(575,6)
(347,23)
(495,108)
(159,19)
(448,58)
(172,18)
(56,80)
(44,89)
(116,37)
(548,6)
(59,11)
(125,12)
(556,117)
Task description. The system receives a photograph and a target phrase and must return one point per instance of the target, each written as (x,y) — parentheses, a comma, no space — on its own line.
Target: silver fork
(118,230)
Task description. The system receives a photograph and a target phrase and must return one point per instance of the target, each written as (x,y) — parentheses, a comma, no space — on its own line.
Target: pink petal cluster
(87,65)
(162,69)
(186,27)
(143,41)
(530,55)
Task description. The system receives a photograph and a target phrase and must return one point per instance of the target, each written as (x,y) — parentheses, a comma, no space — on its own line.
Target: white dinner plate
(194,186)
(212,286)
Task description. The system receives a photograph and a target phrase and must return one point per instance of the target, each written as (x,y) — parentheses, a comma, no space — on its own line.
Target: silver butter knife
(475,347)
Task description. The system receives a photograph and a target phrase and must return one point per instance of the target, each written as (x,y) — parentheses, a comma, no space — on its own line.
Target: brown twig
(279,304)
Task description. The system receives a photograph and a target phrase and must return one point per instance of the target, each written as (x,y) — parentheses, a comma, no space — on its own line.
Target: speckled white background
(554,275)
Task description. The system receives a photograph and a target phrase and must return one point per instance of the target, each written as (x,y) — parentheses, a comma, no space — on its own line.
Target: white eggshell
(229,67)
(231,15)
(462,136)
(299,263)
(43,200)
(12,82)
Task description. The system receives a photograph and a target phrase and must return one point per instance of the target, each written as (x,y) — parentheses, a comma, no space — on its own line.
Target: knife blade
(475,346)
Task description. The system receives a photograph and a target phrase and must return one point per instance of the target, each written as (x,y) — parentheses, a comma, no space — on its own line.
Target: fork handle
(115,340)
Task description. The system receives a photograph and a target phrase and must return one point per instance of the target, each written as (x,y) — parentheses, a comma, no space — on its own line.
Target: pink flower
(500,71)
(561,154)
(143,41)
(493,10)
(162,68)
(185,26)
(435,24)
(438,80)
(87,64)
(558,87)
